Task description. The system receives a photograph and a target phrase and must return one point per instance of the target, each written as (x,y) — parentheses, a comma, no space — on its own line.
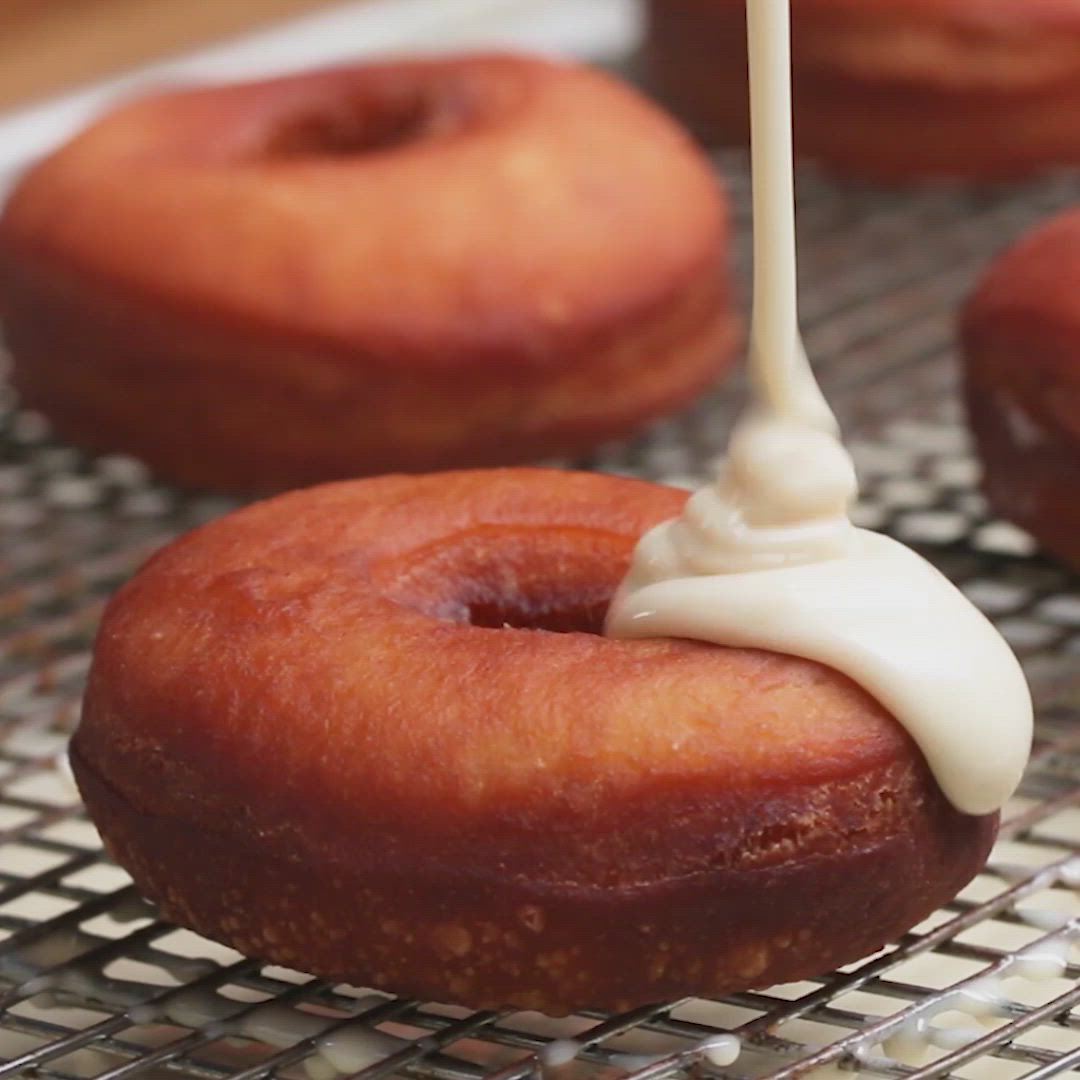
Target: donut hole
(367,125)
(555,614)
(555,580)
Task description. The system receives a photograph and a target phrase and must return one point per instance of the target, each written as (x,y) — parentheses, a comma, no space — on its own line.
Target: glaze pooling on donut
(768,558)
(397,267)
(300,742)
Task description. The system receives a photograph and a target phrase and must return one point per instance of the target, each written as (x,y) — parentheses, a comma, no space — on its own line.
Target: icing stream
(767,557)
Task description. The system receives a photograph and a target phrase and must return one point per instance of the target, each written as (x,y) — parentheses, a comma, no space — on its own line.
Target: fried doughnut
(894,90)
(402,266)
(1021,339)
(371,731)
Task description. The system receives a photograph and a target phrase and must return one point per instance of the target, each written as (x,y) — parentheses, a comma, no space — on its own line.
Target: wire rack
(92,984)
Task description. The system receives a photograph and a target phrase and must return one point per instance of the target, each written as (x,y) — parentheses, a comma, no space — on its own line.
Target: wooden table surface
(49,45)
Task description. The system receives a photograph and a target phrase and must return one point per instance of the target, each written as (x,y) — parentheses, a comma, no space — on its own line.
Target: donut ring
(894,90)
(338,730)
(1021,347)
(402,266)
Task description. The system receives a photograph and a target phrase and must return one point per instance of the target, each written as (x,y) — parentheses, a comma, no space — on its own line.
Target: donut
(371,731)
(894,90)
(404,266)
(1021,345)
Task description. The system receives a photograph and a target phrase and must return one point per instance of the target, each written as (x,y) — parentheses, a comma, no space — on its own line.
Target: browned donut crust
(337,731)
(1021,343)
(894,90)
(402,266)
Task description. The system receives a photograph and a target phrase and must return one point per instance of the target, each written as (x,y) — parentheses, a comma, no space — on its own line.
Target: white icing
(870,616)
(768,556)
(909,1045)
(559,1053)
(722,1051)
(143,1015)
(953,1038)
(983,1000)
(318,1068)
(1069,874)
(345,1049)
(279,1025)
(198,1009)
(1044,919)
(1010,871)
(357,1046)
(1046,959)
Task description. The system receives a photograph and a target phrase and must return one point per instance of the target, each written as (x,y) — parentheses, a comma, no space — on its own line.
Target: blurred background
(58,43)
(62,60)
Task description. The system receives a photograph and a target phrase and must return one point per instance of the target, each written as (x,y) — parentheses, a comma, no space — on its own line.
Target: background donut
(1021,337)
(894,90)
(399,266)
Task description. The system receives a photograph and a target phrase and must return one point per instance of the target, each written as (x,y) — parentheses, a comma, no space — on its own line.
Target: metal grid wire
(93,985)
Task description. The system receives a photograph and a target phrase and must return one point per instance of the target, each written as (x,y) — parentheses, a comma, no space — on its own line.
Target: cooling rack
(92,984)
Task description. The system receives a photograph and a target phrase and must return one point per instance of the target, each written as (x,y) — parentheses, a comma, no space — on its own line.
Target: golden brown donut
(894,90)
(1021,343)
(370,730)
(401,266)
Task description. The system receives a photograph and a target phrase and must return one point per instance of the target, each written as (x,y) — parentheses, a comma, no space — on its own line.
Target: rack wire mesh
(92,984)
